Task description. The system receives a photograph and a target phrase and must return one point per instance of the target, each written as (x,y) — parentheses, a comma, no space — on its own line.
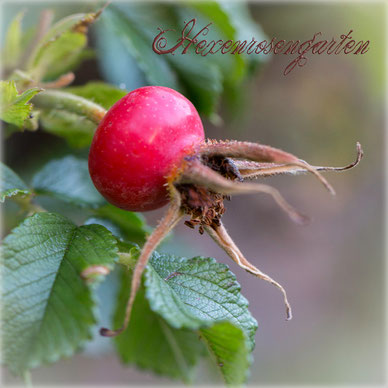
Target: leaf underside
(68,179)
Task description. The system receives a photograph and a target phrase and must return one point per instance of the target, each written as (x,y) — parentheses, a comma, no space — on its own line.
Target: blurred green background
(333,269)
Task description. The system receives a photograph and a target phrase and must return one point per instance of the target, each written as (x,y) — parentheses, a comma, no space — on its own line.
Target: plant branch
(56,99)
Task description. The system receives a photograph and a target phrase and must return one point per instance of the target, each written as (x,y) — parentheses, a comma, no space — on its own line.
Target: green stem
(26,204)
(56,99)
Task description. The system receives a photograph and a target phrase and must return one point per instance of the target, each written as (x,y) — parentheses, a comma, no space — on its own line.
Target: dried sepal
(198,174)
(222,238)
(250,169)
(259,153)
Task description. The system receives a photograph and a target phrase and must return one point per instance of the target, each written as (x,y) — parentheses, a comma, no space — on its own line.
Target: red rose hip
(139,142)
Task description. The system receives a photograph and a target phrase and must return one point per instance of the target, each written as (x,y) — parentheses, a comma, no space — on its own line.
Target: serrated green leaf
(132,225)
(11,184)
(201,294)
(48,309)
(190,292)
(13,42)
(227,346)
(99,92)
(77,130)
(68,179)
(13,106)
(150,342)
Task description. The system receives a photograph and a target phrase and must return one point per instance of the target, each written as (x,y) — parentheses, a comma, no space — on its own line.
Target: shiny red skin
(139,142)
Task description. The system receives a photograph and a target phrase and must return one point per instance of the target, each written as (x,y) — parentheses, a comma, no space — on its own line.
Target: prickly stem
(172,216)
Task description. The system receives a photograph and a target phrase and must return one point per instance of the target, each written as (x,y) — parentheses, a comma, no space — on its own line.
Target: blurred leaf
(214,11)
(201,79)
(132,225)
(125,72)
(203,86)
(246,28)
(13,106)
(74,23)
(65,53)
(197,77)
(150,342)
(68,179)
(48,309)
(11,184)
(240,27)
(62,48)
(13,42)
(231,67)
(155,67)
(99,92)
(77,130)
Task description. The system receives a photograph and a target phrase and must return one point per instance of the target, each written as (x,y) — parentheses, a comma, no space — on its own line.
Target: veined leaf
(201,294)
(195,295)
(14,107)
(68,179)
(48,309)
(11,184)
(192,292)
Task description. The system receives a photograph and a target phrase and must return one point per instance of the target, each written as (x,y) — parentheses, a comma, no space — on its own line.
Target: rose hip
(141,139)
